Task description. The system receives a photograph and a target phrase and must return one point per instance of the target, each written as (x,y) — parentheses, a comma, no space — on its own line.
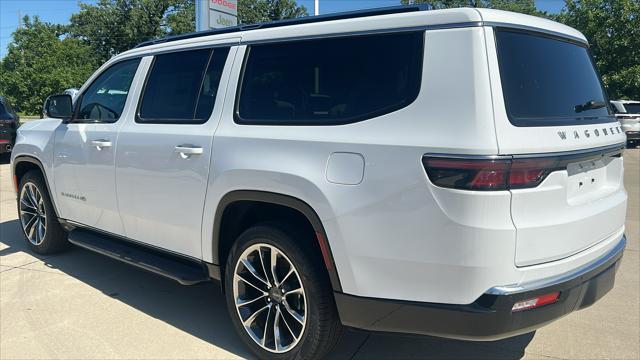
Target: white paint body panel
(392,233)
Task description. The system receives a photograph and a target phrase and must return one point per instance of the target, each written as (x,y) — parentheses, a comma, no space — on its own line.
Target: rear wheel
(38,220)
(278,296)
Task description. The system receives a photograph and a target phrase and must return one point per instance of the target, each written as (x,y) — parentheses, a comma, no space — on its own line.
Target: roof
(375,20)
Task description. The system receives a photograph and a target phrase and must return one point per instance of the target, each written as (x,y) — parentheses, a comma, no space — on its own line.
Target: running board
(184,271)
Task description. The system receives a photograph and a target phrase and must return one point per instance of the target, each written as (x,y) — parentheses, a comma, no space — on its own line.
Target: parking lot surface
(80,305)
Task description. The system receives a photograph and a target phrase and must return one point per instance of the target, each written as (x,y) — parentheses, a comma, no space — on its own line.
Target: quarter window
(182,87)
(104,99)
(330,81)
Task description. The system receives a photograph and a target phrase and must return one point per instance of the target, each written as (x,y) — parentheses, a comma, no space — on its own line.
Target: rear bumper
(490,316)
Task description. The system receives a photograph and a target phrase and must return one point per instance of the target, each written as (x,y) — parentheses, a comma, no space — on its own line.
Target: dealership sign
(215,14)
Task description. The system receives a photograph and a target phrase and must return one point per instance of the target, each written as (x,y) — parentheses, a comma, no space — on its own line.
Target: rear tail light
(504,172)
(535,302)
(488,174)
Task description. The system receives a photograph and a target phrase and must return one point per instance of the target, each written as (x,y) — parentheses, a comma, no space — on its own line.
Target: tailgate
(549,103)
(572,209)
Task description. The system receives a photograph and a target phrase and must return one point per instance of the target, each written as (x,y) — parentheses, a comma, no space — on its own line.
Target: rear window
(330,81)
(547,81)
(632,108)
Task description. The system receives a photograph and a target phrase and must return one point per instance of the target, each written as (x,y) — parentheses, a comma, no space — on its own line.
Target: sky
(59,11)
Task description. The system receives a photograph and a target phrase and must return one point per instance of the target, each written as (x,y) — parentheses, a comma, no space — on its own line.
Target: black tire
(323,327)
(55,237)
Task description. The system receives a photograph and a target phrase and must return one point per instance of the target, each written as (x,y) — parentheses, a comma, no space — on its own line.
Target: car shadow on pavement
(5,158)
(200,310)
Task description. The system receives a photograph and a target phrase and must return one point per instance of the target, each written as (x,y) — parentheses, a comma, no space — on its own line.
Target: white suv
(454,173)
(628,113)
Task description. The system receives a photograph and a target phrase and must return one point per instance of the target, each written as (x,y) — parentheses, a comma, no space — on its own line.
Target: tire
(314,304)
(37,217)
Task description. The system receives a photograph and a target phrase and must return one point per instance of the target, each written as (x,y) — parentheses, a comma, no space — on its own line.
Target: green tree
(255,11)
(40,61)
(521,6)
(613,30)
(113,26)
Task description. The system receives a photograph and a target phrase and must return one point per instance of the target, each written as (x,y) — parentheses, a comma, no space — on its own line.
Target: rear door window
(330,81)
(548,81)
(181,87)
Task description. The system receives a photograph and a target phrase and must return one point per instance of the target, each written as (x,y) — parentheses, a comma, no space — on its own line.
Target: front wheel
(38,220)
(278,296)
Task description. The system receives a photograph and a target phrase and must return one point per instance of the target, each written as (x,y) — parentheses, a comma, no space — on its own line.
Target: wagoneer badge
(606,131)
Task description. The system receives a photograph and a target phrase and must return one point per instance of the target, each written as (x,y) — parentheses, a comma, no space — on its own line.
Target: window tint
(104,99)
(632,108)
(330,81)
(546,81)
(182,86)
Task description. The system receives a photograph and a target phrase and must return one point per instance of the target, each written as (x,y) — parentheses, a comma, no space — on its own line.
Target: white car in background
(628,113)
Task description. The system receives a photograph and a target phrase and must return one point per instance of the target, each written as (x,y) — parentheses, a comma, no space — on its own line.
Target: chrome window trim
(540,284)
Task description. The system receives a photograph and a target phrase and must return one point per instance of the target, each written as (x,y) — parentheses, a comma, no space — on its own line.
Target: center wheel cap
(276,295)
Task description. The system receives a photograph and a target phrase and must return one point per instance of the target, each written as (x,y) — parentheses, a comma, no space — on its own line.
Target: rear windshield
(632,108)
(547,81)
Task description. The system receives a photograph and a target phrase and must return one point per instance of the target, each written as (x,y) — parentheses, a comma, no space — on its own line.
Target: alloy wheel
(33,215)
(269,298)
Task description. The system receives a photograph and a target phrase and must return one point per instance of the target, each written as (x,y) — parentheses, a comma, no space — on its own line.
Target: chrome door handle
(101,143)
(186,151)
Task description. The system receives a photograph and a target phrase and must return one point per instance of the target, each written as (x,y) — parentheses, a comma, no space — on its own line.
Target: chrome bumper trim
(559,279)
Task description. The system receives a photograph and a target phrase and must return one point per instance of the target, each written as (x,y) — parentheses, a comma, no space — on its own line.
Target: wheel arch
(23,164)
(280,200)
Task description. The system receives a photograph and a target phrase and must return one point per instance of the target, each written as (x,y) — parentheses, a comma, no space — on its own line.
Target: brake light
(488,174)
(535,302)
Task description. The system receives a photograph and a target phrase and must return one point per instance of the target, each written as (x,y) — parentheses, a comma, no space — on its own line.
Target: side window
(104,99)
(181,87)
(330,81)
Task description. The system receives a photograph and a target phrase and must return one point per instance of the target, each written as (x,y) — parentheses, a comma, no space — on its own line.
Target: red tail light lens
(488,174)
(468,174)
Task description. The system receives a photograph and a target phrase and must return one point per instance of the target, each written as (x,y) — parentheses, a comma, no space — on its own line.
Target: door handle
(101,143)
(186,151)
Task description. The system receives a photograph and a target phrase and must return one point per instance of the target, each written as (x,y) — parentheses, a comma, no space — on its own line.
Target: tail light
(488,174)
(504,172)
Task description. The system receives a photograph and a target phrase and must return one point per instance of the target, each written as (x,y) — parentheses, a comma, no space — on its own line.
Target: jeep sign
(215,14)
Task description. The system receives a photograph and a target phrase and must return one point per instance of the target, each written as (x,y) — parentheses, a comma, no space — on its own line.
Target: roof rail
(295,21)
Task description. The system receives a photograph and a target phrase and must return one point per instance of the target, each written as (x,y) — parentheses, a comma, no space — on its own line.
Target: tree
(613,30)
(521,6)
(113,26)
(40,61)
(255,11)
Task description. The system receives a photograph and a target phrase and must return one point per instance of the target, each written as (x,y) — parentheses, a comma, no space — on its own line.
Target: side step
(184,271)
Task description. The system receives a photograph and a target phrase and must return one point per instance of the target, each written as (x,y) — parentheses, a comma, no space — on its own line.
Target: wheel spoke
(264,270)
(288,327)
(249,283)
(266,326)
(31,213)
(253,316)
(240,303)
(274,263)
(253,271)
(287,276)
(41,229)
(31,227)
(295,291)
(299,318)
(26,202)
(276,329)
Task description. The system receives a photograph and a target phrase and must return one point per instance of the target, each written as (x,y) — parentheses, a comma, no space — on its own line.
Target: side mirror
(59,107)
